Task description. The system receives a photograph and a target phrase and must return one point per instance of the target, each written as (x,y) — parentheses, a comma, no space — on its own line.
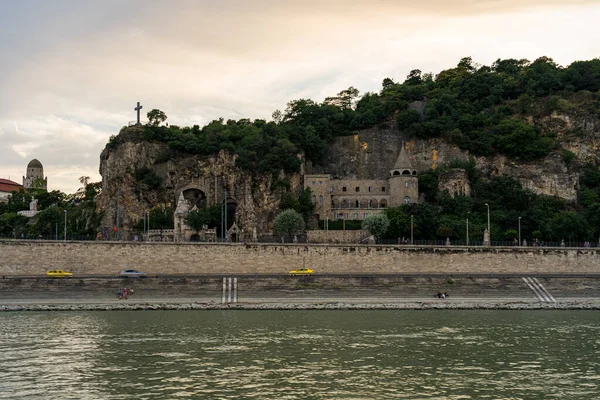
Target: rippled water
(300,355)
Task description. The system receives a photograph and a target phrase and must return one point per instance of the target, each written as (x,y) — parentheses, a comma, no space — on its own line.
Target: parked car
(58,273)
(302,272)
(132,273)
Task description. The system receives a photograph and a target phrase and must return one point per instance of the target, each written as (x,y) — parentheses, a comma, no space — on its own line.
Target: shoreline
(288,304)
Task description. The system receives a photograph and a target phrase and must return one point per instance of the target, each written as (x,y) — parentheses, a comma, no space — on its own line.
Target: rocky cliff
(250,198)
(369,154)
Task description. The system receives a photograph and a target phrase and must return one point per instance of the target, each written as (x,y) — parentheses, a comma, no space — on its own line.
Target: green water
(300,355)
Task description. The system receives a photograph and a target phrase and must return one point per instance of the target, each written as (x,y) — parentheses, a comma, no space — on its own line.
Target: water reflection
(300,355)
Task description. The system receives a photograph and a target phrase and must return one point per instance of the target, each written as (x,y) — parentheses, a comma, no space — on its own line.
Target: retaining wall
(106,258)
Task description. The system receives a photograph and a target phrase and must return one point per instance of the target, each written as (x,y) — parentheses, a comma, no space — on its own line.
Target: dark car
(132,273)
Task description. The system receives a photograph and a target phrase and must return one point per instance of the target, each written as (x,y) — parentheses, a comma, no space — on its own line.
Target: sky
(71,71)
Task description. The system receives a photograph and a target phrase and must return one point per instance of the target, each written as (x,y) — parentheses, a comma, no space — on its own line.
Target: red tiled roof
(7,185)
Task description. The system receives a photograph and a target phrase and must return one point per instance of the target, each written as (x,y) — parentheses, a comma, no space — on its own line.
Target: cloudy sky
(72,71)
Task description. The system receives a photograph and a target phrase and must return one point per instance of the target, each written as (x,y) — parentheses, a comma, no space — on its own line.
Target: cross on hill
(138,108)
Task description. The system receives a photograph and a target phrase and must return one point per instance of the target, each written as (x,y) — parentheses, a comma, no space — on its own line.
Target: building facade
(35,176)
(356,199)
(6,188)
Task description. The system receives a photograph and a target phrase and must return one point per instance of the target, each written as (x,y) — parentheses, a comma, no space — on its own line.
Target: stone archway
(195,197)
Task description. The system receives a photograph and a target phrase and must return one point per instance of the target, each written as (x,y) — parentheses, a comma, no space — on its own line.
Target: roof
(6,185)
(35,163)
(403,162)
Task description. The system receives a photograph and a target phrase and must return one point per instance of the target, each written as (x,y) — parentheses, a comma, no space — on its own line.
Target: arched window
(345,204)
(321,200)
(407,200)
(357,204)
(383,203)
(314,199)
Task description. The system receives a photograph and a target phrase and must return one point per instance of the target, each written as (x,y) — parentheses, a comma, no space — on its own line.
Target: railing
(303,239)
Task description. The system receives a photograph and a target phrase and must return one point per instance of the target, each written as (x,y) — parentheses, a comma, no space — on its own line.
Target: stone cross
(138,108)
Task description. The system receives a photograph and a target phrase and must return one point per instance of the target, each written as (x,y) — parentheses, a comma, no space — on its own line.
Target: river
(443,354)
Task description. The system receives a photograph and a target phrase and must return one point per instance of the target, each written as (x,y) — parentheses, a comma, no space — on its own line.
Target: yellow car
(58,273)
(302,272)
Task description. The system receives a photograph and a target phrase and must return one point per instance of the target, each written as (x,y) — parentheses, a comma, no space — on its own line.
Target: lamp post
(519,231)
(488,215)
(468,228)
(65,225)
(411,230)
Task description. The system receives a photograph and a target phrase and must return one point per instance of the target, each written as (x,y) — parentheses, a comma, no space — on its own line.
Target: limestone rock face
(372,152)
(455,181)
(209,178)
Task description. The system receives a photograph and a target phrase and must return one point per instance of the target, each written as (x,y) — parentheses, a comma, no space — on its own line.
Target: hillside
(527,133)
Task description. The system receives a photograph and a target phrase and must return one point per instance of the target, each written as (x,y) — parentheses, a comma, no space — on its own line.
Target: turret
(403,181)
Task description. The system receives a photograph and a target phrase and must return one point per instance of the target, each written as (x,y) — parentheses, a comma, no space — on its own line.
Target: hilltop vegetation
(483,109)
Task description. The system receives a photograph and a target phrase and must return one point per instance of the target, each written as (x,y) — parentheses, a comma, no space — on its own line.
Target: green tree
(288,222)
(377,225)
(156,117)
(197,219)
(161,218)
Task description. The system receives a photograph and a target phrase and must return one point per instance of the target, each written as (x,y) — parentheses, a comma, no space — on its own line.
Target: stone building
(35,176)
(181,231)
(358,198)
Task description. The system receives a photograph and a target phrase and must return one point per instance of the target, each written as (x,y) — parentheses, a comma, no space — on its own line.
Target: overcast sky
(72,71)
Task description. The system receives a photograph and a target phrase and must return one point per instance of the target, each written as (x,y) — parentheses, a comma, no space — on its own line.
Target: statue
(486,238)
(33,205)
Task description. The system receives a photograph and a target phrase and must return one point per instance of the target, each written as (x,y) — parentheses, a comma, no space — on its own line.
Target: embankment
(106,258)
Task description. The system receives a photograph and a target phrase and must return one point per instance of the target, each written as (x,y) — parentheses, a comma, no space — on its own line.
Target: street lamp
(411,230)
(489,232)
(468,212)
(65,225)
(519,231)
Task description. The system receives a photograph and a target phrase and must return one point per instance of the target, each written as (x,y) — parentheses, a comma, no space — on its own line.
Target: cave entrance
(195,197)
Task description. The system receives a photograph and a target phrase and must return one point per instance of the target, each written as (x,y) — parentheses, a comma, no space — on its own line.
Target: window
(407,200)
(321,200)
(330,189)
(314,182)
(355,215)
(357,189)
(383,188)
(370,203)
(343,188)
(365,215)
(320,182)
(370,188)
(357,204)
(314,199)
(405,184)
(345,215)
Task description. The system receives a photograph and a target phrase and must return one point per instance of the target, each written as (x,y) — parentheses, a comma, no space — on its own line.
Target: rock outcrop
(250,199)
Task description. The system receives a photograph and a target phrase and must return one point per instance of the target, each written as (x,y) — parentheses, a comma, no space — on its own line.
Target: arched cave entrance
(195,197)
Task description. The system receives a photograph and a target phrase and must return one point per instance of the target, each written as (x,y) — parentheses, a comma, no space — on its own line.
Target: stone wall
(335,236)
(107,258)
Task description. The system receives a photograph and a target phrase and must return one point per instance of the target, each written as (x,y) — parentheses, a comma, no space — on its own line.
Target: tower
(403,181)
(35,176)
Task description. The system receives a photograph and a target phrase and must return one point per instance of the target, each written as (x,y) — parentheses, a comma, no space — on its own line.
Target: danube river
(444,354)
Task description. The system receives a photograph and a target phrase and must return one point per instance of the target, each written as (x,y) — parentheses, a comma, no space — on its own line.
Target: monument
(138,108)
